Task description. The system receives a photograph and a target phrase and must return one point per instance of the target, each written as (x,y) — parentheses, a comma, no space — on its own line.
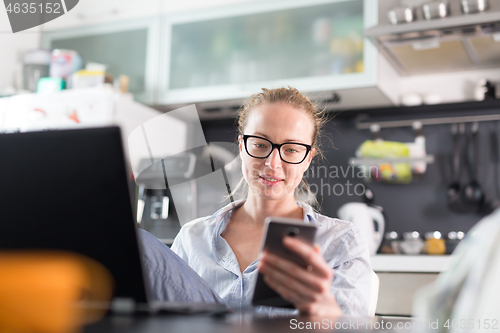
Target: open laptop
(68,190)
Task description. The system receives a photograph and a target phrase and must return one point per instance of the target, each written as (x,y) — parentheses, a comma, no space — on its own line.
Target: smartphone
(275,228)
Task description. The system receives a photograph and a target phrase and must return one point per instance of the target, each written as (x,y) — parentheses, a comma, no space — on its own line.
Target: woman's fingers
(308,288)
(286,272)
(291,290)
(310,255)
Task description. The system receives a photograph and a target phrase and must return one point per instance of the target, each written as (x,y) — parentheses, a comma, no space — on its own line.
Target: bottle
(391,243)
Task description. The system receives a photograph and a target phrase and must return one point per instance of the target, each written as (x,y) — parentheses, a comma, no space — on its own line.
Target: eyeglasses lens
(290,152)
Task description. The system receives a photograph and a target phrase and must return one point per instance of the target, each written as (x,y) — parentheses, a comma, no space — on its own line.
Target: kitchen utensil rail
(360,124)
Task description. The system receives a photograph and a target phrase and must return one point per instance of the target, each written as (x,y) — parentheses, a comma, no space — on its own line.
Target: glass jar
(411,243)
(434,243)
(454,237)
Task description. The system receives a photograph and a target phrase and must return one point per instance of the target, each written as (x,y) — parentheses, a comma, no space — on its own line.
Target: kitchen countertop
(409,263)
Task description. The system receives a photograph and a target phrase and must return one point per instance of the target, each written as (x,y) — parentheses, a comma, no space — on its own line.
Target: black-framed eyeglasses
(290,152)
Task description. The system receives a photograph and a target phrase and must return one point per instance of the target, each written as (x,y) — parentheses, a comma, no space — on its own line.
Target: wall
(12,48)
(421,205)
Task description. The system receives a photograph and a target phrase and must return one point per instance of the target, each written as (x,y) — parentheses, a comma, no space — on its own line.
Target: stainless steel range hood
(454,43)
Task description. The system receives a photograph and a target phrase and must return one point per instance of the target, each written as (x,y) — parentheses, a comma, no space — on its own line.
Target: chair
(373,294)
(469,287)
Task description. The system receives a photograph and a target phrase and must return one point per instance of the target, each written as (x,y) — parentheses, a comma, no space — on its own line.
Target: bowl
(401,14)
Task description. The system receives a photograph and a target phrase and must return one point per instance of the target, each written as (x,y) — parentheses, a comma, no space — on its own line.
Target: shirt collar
(221,216)
(310,216)
(222,219)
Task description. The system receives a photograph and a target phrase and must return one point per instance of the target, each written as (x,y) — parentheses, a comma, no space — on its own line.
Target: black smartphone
(275,228)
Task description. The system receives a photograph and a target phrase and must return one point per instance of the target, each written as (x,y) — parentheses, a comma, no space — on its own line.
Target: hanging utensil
(495,159)
(455,193)
(473,193)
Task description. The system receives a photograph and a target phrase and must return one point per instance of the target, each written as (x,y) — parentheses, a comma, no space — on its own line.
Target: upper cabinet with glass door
(92,12)
(128,47)
(232,52)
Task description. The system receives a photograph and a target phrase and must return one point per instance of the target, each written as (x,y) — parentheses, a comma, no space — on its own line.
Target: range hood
(455,43)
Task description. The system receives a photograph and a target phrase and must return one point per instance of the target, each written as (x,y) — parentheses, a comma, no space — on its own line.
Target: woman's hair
(294,98)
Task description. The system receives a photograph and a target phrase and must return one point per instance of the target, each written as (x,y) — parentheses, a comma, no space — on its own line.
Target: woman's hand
(307,288)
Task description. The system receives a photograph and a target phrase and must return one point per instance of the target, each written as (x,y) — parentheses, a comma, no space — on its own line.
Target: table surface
(240,322)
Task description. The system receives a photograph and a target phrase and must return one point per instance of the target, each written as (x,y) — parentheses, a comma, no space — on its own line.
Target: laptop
(69,190)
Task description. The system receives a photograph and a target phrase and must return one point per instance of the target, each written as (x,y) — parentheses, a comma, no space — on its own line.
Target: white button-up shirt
(201,245)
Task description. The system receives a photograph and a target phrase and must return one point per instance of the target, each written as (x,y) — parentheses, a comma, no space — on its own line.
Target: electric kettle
(368,219)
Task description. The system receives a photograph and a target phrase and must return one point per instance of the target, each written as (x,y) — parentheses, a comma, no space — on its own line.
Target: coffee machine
(185,186)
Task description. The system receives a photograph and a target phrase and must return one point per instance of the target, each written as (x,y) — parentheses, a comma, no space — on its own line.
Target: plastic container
(64,63)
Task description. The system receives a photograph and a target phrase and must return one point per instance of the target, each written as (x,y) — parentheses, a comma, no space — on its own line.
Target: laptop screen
(67,190)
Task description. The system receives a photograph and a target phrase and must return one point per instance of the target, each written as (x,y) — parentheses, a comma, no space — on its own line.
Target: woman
(278,139)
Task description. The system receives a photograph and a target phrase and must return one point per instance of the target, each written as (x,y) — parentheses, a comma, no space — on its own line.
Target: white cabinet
(90,12)
(231,52)
(401,276)
(128,47)
(397,291)
(219,55)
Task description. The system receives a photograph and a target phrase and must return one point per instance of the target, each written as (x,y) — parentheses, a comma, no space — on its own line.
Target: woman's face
(272,178)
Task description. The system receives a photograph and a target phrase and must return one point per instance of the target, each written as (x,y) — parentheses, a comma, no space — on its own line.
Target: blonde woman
(278,138)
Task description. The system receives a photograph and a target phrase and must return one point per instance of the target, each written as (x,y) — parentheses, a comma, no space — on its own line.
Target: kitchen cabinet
(231,52)
(220,55)
(128,47)
(397,290)
(401,276)
(91,12)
